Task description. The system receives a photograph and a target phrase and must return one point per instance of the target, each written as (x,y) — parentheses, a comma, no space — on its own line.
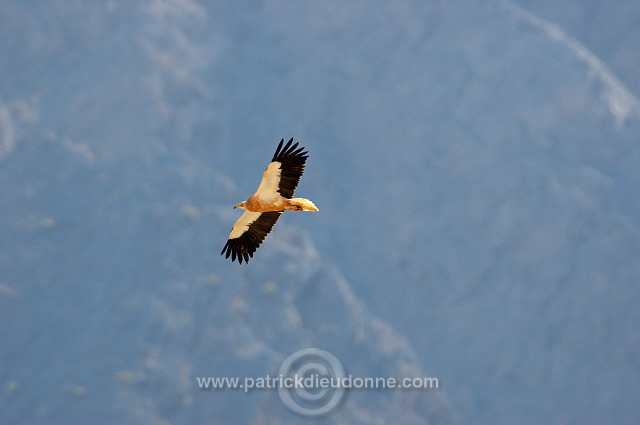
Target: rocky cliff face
(476,169)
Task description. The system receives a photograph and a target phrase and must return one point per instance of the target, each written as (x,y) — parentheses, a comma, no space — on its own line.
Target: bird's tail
(301,204)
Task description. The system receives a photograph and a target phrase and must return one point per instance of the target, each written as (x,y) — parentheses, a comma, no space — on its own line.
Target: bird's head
(241,205)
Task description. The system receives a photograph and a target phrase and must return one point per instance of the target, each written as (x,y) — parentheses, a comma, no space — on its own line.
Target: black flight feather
(246,244)
(292,159)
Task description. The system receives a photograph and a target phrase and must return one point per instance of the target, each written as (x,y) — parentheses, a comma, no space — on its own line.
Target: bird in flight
(263,208)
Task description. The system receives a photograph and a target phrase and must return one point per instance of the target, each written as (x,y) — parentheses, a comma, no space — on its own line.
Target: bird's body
(255,204)
(263,208)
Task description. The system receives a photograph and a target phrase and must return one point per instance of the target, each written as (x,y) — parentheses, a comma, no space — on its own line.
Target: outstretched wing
(285,169)
(248,233)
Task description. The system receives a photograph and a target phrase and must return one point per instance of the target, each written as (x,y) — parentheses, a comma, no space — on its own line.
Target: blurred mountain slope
(476,170)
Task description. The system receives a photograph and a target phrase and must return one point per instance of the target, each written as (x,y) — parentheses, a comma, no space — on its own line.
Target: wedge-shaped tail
(301,204)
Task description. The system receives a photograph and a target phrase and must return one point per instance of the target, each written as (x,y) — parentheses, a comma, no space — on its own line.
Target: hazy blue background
(477,168)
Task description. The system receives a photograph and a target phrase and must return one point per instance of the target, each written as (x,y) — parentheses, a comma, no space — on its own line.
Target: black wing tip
(226,249)
(289,150)
(235,252)
(275,155)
